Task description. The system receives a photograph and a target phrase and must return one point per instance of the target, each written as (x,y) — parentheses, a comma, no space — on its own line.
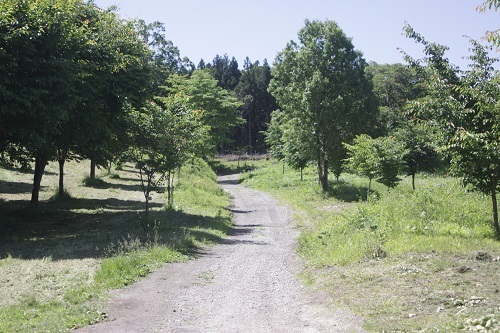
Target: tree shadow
(238,211)
(348,192)
(230,181)
(15,187)
(74,235)
(109,203)
(224,169)
(104,185)
(130,179)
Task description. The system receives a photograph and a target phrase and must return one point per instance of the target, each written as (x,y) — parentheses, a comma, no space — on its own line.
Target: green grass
(56,272)
(402,259)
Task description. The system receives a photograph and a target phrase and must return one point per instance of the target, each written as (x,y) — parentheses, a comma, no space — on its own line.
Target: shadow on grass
(14,187)
(68,235)
(224,169)
(348,192)
(101,184)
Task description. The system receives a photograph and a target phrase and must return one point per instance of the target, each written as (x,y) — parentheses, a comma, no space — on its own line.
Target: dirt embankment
(246,284)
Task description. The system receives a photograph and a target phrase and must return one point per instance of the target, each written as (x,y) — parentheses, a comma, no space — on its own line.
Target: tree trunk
(283,169)
(171,196)
(92,168)
(301,174)
(320,171)
(413,181)
(61,161)
(369,189)
(250,132)
(40,164)
(324,178)
(495,208)
(168,189)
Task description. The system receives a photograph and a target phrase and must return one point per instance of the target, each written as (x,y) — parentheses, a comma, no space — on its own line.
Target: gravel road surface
(248,283)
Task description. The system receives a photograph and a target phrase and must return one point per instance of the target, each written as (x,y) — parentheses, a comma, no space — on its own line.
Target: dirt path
(246,284)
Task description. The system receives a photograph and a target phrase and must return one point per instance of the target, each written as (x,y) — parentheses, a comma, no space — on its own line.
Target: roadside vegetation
(388,235)
(423,260)
(56,268)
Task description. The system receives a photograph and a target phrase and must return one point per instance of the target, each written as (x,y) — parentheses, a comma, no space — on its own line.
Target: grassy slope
(55,268)
(409,261)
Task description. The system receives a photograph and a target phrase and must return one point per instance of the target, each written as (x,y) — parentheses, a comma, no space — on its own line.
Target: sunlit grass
(96,242)
(342,227)
(407,261)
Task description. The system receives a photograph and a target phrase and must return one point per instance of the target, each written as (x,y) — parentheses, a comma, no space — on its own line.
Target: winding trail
(245,284)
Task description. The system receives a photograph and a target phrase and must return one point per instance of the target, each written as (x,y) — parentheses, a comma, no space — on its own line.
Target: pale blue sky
(261,28)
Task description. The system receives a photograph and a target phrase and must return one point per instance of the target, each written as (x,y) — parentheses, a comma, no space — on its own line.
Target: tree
(165,59)
(40,43)
(294,151)
(163,134)
(492,36)
(421,153)
(225,71)
(274,136)
(258,104)
(116,71)
(69,67)
(380,159)
(390,154)
(219,108)
(363,158)
(467,110)
(321,82)
(201,64)
(394,85)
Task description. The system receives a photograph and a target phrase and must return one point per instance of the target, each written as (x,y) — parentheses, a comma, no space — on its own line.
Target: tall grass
(404,260)
(341,227)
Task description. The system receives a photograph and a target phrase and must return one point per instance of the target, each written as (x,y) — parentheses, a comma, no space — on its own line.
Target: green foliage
(421,153)
(380,158)
(440,217)
(258,104)
(394,85)
(66,69)
(164,135)
(466,109)
(226,72)
(492,36)
(274,135)
(390,161)
(165,57)
(218,109)
(363,158)
(321,86)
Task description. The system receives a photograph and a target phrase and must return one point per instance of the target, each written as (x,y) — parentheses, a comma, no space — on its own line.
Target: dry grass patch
(42,280)
(416,293)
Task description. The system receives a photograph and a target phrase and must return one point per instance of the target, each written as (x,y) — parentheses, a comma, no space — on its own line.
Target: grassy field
(56,265)
(408,261)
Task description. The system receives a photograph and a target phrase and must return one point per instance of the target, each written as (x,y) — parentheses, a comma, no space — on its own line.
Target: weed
(93,182)
(406,259)
(114,176)
(60,197)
